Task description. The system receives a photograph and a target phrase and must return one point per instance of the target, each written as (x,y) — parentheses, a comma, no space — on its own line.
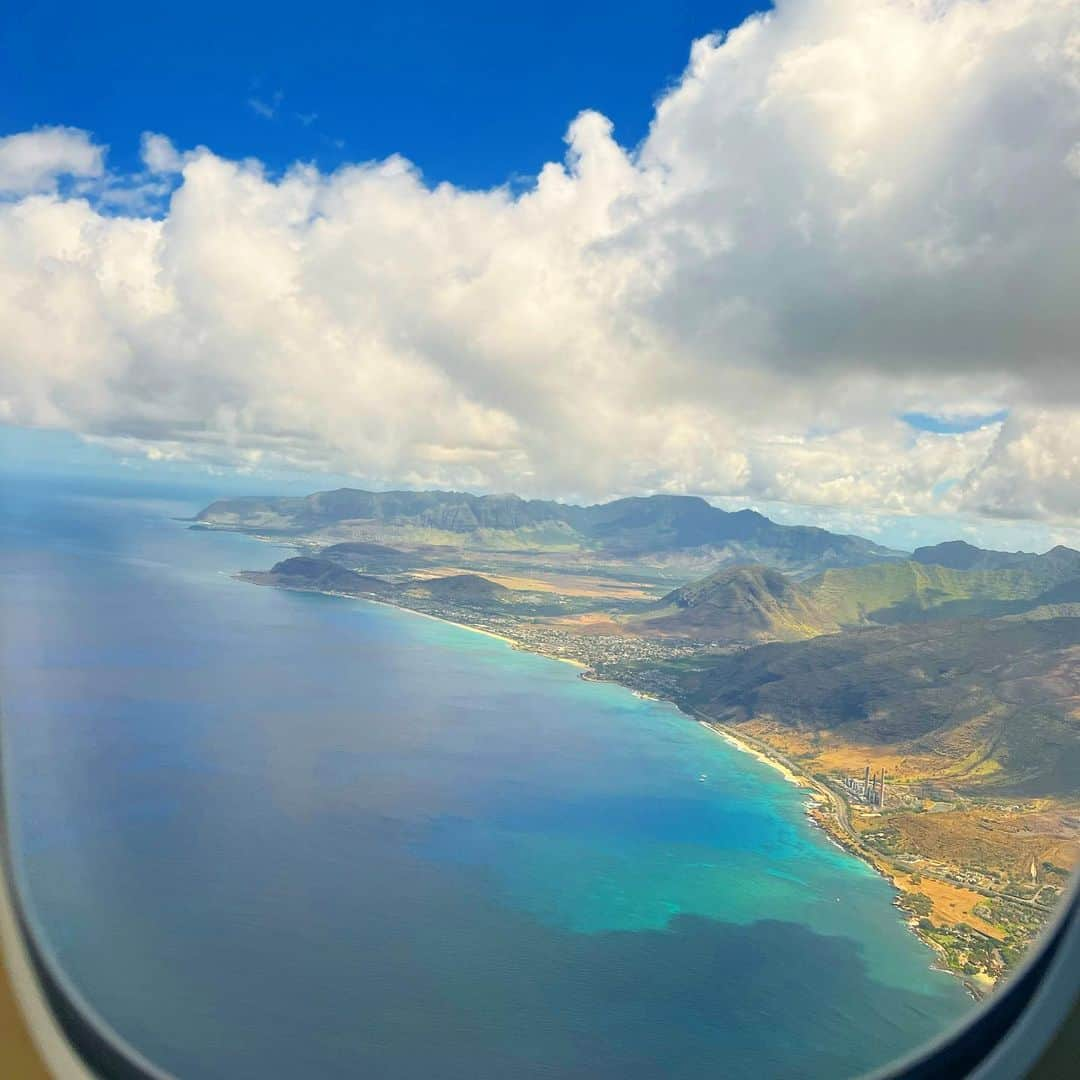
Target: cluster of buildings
(868,788)
(601,652)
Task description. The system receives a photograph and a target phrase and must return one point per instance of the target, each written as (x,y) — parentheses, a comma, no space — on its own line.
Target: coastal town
(603,653)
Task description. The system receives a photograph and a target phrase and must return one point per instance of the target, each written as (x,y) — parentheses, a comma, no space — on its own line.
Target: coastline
(427,615)
(827,808)
(733,740)
(834,825)
(512,642)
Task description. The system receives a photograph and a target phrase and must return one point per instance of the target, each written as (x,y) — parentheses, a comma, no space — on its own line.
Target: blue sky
(953,425)
(475,92)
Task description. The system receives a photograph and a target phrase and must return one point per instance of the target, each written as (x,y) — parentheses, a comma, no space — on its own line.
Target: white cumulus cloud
(845,210)
(158,153)
(33,161)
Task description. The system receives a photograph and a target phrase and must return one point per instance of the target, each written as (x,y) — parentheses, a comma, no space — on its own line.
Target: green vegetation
(746,603)
(757,603)
(660,528)
(915,902)
(461,597)
(320,575)
(325,575)
(372,558)
(992,701)
(464,587)
(910,590)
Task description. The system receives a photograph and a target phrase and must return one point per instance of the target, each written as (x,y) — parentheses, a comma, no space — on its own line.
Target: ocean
(273,834)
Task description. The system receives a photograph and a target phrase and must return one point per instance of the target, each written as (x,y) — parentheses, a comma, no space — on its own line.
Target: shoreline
(733,740)
(427,615)
(823,798)
(830,825)
(516,645)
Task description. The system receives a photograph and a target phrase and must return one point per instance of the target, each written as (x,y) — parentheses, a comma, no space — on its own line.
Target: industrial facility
(868,788)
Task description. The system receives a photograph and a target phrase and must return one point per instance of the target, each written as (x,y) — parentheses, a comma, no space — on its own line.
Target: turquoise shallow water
(272,834)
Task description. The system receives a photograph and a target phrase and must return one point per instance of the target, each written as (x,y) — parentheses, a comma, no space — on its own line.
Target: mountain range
(658,529)
(765,581)
(758,603)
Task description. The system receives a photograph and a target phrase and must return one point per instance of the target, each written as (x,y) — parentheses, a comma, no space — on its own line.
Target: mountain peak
(746,603)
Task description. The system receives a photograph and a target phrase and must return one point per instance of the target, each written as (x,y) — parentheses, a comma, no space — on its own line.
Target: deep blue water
(281,835)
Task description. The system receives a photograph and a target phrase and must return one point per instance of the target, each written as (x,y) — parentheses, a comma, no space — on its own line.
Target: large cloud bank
(844,211)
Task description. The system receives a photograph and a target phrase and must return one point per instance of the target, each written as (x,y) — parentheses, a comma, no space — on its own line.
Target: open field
(828,752)
(952,905)
(1000,841)
(591,623)
(550,582)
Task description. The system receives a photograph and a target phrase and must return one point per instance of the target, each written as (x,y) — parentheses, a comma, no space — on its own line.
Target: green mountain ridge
(321,575)
(906,591)
(468,588)
(369,557)
(318,574)
(743,604)
(1000,698)
(960,555)
(757,603)
(633,528)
